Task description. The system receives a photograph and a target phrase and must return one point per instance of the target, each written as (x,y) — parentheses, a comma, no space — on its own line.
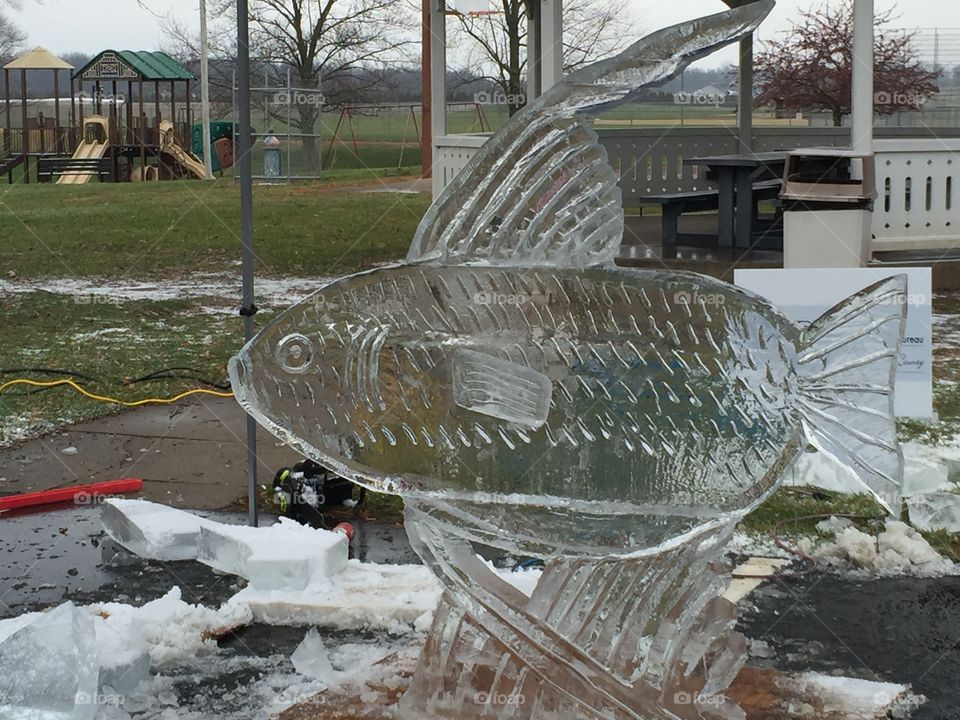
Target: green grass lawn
(152,229)
(161,232)
(108,343)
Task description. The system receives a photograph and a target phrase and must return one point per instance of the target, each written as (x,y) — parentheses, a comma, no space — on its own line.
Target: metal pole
(745,100)
(244,172)
(26,133)
(205,91)
(862,104)
(289,120)
(438,84)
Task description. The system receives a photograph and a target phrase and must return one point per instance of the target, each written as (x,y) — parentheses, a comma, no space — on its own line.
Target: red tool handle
(78,494)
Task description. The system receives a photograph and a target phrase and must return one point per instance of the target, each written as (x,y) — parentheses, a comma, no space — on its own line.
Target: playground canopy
(133,65)
(38,59)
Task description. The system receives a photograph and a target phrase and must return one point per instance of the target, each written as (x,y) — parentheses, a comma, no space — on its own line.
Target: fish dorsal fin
(540,191)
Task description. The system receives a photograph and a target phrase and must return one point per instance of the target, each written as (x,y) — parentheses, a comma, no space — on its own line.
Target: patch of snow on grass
(271,292)
(897,550)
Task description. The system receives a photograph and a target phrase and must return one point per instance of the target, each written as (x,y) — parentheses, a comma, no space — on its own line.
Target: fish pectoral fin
(846,369)
(502,389)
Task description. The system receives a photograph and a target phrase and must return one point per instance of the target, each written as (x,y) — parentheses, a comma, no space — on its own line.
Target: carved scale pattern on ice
(677,385)
(645,638)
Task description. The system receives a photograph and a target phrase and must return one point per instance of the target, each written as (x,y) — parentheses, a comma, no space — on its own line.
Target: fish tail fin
(846,365)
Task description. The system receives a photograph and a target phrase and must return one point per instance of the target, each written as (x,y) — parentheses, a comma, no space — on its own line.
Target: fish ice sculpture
(518,390)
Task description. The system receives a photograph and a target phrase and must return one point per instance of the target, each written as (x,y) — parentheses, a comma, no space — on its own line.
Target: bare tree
(11,36)
(592,29)
(339,43)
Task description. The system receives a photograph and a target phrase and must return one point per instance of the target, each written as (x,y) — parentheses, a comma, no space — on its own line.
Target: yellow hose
(115,401)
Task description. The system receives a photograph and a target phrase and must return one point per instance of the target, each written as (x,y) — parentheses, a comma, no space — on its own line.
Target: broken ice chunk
(49,668)
(287,555)
(311,659)
(935,511)
(123,655)
(152,530)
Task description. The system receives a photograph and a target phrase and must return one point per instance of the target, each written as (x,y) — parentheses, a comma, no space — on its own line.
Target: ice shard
(49,668)
(520,391)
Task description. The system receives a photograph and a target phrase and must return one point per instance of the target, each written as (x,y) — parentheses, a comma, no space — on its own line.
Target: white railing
(450,154)
(917,195)
(918,206)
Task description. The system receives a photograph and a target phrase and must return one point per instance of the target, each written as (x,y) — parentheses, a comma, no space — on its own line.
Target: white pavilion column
(534,34)
(551,43)
(862,101)
(438,87)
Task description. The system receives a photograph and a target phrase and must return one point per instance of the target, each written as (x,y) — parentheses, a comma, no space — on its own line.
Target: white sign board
(804,294)
(473,7)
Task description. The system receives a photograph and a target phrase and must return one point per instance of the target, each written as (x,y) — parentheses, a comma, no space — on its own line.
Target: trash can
(271,157)
(827,196)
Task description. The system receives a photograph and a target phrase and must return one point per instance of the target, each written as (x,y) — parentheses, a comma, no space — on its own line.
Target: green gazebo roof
(133,65)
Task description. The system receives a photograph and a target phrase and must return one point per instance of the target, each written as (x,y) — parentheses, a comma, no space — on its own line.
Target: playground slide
(85,151)
(92,150)
(185,159)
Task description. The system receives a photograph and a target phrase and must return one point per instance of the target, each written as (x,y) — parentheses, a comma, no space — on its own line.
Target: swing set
(345,123)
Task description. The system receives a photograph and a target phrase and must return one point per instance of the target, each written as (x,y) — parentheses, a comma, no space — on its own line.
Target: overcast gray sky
(93,25)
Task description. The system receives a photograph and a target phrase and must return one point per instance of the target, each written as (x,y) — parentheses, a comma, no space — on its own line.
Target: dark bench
(49,168)
(675,205)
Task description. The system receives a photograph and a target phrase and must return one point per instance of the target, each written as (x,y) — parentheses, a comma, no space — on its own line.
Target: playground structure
(128,118)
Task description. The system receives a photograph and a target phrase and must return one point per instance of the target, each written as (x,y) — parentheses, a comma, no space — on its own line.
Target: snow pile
(898,550)
(287,556)
(167,628)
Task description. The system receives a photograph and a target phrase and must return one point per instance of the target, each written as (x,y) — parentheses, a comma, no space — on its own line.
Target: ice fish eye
(295,353)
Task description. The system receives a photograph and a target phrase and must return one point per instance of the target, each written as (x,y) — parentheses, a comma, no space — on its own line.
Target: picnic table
(737,178)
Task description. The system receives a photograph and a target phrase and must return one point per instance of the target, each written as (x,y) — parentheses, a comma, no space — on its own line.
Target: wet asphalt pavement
(902,630)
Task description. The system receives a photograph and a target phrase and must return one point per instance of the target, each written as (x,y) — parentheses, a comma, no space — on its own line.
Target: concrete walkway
(190,455)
